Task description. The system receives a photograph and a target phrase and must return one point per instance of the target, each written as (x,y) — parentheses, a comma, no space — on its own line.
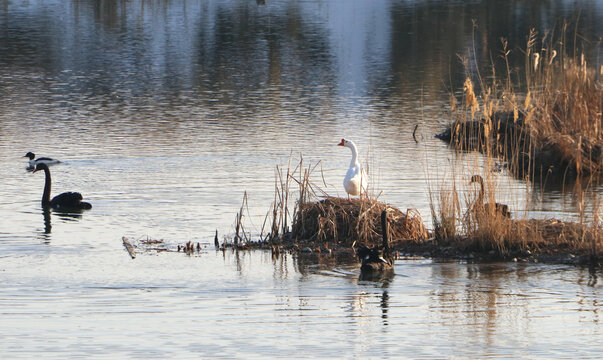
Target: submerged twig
(414,133)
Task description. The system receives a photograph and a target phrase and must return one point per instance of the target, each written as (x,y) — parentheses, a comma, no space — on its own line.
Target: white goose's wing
(355,181)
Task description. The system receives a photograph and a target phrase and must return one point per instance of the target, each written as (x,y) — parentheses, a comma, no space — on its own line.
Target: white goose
(356,180)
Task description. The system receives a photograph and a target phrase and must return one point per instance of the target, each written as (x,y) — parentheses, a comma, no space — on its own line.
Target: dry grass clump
(316,219)
(345,221)
(445,211)
(480,227)
(502,236)
(566,235)
(549,236)
(552,237)
(492,232)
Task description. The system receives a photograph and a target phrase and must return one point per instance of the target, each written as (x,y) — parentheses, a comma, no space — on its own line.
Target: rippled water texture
(165,112)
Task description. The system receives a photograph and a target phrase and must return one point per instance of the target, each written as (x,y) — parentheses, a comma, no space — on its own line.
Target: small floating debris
(149,241)
(190,248)
(144,243)
(128,247)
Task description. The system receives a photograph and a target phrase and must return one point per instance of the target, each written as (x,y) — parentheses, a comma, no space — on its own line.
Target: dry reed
(549,126)
(320,219)
(345,221)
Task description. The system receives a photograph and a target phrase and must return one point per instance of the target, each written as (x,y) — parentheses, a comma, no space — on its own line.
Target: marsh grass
(445,211)
(459,223)
(345,221)
(548,122)
(543,124)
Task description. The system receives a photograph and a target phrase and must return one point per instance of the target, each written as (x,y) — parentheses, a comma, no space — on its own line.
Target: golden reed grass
(345,221)
(550,124)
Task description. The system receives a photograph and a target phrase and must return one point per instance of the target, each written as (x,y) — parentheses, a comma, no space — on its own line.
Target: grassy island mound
(345,221)
(526,240)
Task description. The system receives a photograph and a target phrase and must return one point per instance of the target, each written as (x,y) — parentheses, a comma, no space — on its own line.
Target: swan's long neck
(47,185)
(354,161)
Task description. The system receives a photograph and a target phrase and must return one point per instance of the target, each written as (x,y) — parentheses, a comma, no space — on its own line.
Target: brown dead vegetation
(551,125)
(545,126)
(319,223)
(345,221)
(550,240)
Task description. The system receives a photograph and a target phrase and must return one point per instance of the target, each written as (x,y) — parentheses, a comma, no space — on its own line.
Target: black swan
(42,160)
(64,201)
(499,209)
(379,257)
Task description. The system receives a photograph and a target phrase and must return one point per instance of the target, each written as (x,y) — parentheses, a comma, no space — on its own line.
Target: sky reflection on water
(165,112)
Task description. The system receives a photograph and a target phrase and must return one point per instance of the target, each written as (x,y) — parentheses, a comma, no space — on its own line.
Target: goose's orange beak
(342,143)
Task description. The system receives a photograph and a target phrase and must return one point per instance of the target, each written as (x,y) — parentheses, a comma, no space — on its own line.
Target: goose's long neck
(480,197)
(354,161)
(47,185)
(385,230)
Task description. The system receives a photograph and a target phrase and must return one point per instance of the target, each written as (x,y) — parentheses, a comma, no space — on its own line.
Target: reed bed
(545,125)
(548,123)
(460,226)
(318,219)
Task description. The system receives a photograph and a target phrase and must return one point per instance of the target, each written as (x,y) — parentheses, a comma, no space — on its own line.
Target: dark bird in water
(64,201)
(42,160)
(480,207)
(379,257)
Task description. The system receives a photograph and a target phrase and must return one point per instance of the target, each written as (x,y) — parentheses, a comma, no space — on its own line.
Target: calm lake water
(165,112)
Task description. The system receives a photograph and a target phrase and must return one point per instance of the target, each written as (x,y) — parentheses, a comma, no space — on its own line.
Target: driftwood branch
(128,247)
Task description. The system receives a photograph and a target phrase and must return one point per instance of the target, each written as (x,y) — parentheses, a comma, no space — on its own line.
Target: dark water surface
(165,112)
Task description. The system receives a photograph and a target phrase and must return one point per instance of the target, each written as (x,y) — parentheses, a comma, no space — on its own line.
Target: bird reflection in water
(385,278)
(63,215)
(47,224)
(377,276)
(592,276)
(384,306)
